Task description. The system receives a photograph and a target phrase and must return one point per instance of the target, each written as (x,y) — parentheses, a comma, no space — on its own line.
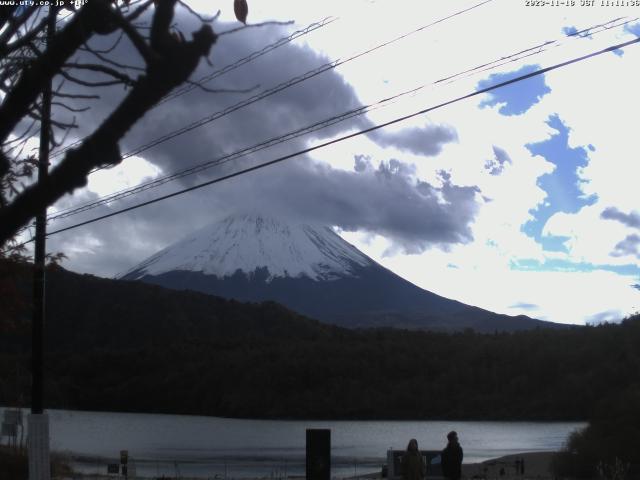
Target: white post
(38,447)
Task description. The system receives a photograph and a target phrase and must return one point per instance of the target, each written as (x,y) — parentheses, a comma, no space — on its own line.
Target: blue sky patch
(608,316)
(559,265)
(634,29)
(561,185)
(518,97)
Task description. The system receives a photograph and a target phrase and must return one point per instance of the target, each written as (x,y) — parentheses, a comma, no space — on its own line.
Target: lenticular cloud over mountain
(309,269)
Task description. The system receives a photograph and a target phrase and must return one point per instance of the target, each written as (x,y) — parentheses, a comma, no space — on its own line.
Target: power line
(542,47)
(352,135)
(282,41)
(284,85)
(233,156)
(226,69)
(314,127)
(289,83)
(323,124)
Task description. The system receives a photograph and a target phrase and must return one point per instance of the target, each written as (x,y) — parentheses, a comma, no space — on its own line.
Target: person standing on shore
(412,465)
(451,458)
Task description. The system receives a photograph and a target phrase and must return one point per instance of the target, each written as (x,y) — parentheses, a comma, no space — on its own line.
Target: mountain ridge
(313,271)
(249,242)
(130,346)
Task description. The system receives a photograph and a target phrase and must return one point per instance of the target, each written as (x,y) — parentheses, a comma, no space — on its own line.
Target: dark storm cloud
(629,219)
(113,245)
(426,141)
(385,199)
(313,100)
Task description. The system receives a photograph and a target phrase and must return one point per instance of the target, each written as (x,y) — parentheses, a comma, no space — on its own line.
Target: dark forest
(126,346)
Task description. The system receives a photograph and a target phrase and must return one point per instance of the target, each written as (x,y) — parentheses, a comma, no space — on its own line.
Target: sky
(521,200)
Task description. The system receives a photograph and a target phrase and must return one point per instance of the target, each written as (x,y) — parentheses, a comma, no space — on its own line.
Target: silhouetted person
(451,458)
(412,466)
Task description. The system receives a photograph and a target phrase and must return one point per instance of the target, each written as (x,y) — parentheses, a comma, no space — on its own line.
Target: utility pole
(38,439)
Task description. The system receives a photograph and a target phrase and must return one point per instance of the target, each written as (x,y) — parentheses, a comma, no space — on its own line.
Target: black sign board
(113,468)
(318,454)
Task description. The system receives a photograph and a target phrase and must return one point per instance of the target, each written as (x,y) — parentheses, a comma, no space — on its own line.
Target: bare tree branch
(88,20)
(121,77)
(138,41)
(87,83)
(6,13)
(56,123)
(76,96)
(14,24)
(7,48)
(70,109)
(106,59)
(64,137)
(253,25)
(222,90)
(108,49)
(172,64)
(138,11)
(22,136)
(197,15)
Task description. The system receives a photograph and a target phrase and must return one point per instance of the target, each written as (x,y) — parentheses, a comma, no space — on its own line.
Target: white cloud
(480,275)
(592,239)
(130,172)
(597,99)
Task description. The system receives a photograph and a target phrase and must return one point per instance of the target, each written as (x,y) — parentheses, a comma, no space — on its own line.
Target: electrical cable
(351,135)
(317,126)
(282,41)
(226,69)
(284,85)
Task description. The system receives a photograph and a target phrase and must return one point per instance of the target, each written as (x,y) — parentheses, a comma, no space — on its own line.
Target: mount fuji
(312,270)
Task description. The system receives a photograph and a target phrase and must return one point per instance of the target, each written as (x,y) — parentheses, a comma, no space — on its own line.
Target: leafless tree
(28,63)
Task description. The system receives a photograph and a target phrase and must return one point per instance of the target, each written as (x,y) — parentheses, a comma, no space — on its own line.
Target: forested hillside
(132,347)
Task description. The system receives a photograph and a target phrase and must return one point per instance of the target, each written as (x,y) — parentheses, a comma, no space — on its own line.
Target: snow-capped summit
(309,269)
(250,242)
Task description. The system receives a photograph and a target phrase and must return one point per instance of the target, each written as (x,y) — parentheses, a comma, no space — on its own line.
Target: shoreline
(537,466)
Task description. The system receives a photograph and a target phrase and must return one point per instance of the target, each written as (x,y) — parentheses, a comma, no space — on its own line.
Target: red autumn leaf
(241,10)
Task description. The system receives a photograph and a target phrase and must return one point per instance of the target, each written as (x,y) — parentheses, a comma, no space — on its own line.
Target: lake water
(210,447)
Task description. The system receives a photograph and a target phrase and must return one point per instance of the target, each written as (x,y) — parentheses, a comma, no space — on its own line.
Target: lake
(210,447)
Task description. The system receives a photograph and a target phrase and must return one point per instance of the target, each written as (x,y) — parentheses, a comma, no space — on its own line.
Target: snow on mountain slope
(251,242)
(311,270)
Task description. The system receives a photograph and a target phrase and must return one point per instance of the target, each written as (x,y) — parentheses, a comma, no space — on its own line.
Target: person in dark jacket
(412,465)
(451,458)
